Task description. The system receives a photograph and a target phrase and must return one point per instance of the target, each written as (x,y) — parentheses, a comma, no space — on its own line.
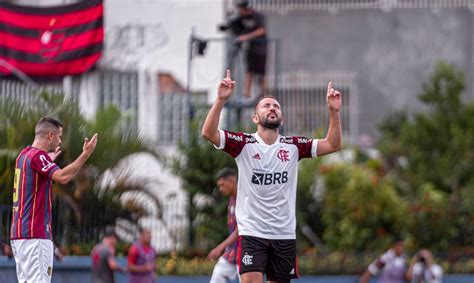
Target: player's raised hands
(55,154)
(89,145)
(333,98)
(226,87)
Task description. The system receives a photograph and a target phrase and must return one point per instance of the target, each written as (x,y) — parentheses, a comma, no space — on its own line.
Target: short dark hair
(110,232)
(141,230)
(262,98)
(225,172)
(46,125)
(243,4)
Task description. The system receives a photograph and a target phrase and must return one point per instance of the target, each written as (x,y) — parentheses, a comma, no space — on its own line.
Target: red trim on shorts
(239,253)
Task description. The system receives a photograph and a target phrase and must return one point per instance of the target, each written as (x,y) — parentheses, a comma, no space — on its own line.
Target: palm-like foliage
(197,166)
(87,204)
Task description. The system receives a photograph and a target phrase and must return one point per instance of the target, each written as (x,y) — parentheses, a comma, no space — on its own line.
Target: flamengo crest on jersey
(266,197)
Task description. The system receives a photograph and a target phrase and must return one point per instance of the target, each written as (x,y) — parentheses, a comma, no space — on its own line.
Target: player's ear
(50,135)
(255,118)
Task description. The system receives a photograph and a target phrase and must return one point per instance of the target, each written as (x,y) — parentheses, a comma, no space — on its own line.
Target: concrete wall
(391,53)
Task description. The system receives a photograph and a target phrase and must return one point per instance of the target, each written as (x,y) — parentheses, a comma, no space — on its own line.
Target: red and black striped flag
(51,41)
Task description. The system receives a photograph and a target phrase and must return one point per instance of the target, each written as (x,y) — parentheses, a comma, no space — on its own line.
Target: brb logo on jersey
(283,155)
(270,178)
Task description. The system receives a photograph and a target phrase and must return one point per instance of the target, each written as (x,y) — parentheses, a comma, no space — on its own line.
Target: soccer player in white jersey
(268,168)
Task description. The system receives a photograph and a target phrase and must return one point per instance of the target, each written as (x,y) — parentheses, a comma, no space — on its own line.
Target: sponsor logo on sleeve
(45,163)
(235,137)
(304,140)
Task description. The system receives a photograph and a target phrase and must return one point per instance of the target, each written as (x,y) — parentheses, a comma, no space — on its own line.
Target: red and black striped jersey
(32,195)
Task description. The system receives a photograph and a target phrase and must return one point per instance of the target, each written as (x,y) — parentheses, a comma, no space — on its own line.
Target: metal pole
(188,82)
(187,137)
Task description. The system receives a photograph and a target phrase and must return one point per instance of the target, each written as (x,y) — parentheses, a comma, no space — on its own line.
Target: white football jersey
(266,194)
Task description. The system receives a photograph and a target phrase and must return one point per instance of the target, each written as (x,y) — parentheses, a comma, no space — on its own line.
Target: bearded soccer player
(266,194)
(31,233)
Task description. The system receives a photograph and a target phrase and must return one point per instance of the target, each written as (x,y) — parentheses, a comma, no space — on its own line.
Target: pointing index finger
(228,74)
(94,137)
(330,85)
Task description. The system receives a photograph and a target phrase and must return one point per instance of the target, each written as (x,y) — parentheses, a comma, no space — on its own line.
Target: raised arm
(210,128)
(332,141)
(63,176)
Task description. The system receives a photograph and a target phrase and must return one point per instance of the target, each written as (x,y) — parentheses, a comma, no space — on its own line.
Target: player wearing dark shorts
(268,170)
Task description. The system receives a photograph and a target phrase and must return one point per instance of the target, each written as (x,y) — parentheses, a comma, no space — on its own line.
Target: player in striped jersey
(268,170)
(226,267)
(31,232)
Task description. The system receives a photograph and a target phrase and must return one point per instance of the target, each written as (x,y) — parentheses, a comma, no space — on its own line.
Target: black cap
(225,172)
(243,4)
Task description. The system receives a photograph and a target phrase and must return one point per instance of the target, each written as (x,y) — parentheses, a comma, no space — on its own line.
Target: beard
(266,123)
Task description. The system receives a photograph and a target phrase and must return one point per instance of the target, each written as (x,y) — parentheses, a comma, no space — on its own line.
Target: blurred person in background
(58,254)
(103,259)
(391,267)
(226,267)
(141,259)
(254,33)
(6,250)
(423,270)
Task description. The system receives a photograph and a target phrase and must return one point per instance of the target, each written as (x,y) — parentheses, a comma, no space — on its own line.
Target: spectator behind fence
(253,32)
(103,259)
(141,259)
(389,267)
(423,269)
(6,250)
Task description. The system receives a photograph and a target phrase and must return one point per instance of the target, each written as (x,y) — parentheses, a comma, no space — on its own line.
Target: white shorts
(224,271)
(34,260)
